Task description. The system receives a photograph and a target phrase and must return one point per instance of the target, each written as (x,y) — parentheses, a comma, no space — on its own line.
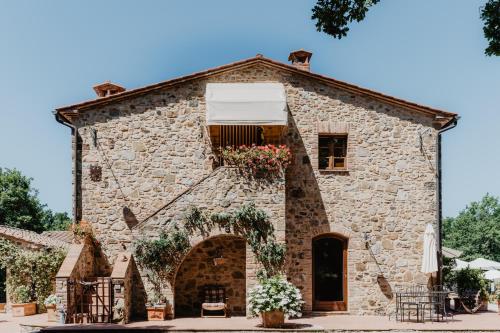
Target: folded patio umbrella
(429,259)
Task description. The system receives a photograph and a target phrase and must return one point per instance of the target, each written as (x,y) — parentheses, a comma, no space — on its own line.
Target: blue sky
(426,51)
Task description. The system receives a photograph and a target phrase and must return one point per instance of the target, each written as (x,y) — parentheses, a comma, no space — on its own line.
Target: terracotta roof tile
(36,239)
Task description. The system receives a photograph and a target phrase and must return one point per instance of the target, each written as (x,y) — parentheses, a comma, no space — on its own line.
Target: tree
(56,221)
(476,230)
(334,16)
(490,14)
(20,206)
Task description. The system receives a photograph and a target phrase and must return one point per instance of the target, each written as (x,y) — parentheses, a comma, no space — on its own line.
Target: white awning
(246,104)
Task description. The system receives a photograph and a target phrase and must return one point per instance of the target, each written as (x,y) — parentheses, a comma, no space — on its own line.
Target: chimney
(300,59)
(107,89)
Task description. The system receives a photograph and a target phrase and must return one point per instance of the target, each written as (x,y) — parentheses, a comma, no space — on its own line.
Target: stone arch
(331,228)
(198,270)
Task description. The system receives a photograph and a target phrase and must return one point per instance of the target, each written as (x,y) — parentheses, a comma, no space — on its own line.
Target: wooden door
(329,273)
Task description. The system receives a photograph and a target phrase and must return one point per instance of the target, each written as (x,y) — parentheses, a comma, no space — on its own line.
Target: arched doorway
(199,270)
(329,253)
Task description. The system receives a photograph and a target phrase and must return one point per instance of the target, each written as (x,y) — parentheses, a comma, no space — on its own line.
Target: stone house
(352,207)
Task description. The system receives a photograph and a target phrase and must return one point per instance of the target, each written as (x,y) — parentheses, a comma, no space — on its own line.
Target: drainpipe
(451,124)
(74,133)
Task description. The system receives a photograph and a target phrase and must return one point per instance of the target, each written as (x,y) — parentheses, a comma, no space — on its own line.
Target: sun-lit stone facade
(154,148)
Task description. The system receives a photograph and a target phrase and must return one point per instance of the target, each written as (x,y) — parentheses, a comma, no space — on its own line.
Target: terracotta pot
(273,319)
(23,309)
(159,312)
(484,305)
(51,313)
(2,307)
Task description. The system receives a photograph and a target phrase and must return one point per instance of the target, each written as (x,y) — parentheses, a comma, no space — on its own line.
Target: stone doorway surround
(203,266)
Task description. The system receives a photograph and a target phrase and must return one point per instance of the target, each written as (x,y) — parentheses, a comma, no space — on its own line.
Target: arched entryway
(329,253)
(203,267)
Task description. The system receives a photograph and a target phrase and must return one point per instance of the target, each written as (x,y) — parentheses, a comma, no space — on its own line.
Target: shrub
(35,270)
(162,255)
(470,280)
(22,294)
(275,293)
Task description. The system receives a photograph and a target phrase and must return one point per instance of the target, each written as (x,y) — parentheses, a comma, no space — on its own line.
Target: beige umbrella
(429,258)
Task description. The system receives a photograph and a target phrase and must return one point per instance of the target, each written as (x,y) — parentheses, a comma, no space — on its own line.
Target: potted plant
(119,311)
(158,307)
(22,302)
(273,299)
(51,303)
(484,299)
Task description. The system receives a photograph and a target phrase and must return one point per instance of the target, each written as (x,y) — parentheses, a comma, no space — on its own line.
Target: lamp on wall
(218,259)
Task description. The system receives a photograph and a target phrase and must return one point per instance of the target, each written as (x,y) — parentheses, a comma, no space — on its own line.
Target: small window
(332,152)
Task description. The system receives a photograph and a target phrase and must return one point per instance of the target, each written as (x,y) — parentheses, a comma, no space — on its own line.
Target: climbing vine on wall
(31,273)
(162,255)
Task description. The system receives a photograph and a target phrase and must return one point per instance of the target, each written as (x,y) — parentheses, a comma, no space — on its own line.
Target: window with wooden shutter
(332,152)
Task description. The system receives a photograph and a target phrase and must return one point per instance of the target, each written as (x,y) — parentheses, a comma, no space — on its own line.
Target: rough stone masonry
(154,147)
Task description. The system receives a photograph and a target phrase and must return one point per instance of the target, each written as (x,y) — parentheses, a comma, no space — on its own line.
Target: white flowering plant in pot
(52,300)
(275,295)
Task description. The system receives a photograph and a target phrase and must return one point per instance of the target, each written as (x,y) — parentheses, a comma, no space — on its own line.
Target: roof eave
(70,112)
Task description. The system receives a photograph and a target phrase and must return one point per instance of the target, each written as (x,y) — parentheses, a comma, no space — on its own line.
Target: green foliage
(476,230)
(21,294)
(490,14)
(195,220)
(275,293)
(271,255)
(34,271)
(56,221)
(448,273)
(469,280)
(21,208)
(162,255)
(333,16)
(253,224)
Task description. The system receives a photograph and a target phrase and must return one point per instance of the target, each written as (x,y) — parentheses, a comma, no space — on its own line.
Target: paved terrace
(480,322)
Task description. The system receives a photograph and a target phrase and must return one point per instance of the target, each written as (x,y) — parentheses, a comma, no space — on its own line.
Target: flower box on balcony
(267,161)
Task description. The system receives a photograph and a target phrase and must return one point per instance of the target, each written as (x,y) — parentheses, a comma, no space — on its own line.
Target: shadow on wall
(199,270)
(138,295)
(305,213)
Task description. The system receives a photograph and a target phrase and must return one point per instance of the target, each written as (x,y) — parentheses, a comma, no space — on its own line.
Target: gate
(90,301)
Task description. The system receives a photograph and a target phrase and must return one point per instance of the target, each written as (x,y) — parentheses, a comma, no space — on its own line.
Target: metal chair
(410,300)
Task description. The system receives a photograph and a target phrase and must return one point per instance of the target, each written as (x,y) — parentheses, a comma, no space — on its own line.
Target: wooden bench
(215,301)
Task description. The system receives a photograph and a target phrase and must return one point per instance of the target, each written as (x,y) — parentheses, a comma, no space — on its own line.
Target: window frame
(332,154)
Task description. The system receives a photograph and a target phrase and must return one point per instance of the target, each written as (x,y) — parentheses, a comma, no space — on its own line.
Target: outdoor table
(434,301)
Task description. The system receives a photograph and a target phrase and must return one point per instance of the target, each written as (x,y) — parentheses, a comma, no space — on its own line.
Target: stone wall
(154,147)
(198,270)
(223,190)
